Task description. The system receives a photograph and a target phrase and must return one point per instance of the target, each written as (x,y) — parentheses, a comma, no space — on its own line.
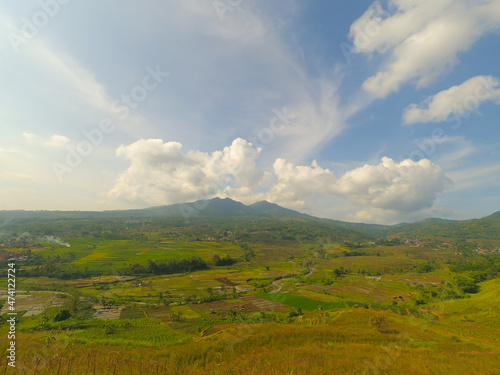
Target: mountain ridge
(224,208)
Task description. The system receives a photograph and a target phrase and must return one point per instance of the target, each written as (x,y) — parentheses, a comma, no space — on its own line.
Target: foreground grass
(334,342)
(450,337)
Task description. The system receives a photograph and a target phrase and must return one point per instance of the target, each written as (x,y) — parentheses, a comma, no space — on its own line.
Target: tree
(466,284)
(176,317)
(295,312)
(107,302)
(216,260)
(152,267)
(425,268)
(63,314)
(233,315)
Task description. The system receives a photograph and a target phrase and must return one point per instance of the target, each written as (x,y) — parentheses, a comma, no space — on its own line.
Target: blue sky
(373,111)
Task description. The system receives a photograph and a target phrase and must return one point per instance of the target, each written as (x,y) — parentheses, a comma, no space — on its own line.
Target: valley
(254,290)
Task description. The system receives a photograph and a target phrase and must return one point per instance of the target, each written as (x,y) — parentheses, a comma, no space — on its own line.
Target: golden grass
(346,345)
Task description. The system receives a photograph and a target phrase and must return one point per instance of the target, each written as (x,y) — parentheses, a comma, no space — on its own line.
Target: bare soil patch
(225,281)
(248,304)
(34,304)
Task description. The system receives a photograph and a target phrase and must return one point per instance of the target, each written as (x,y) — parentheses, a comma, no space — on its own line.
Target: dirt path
(311,270)
(277,286)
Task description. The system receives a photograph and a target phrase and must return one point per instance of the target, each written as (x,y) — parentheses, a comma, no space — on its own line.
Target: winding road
(279,286)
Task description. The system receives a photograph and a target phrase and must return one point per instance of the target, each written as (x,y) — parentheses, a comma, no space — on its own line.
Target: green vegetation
(265,291)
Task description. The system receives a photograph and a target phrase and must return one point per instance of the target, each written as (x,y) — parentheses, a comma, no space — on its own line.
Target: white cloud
(457,100)
(30,137)
(380,29)
(315,121)
(79,82)
(422,39)
(297,183)
(55,140)
(472,178)
(160,173)
(227,77)
(229,81)
(381,216)
(456,149)
(402,187)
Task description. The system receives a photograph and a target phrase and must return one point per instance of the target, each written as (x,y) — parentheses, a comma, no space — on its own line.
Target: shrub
(378,322)
(295,312)
(63,314)
(466,284)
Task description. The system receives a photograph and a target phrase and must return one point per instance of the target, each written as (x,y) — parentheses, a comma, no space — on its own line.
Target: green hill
(495,215)
(486,228)
(217,208)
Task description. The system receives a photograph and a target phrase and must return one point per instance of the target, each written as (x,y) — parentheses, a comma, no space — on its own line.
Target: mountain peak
(272,209)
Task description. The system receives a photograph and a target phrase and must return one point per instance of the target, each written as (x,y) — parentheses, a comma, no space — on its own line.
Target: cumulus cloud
(401,187)
(381,216)
(161,173)
(296,183)
(421,39)
(456,100)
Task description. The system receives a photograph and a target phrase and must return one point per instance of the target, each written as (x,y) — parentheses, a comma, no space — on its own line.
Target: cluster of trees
(475,268)
(426,267)
(53,266)
(389,242)
(466,284)
(248,252)
(354,253)
(56,270)
(176,266)
(37,259)
(339,272)
(224,261)
(353,245)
